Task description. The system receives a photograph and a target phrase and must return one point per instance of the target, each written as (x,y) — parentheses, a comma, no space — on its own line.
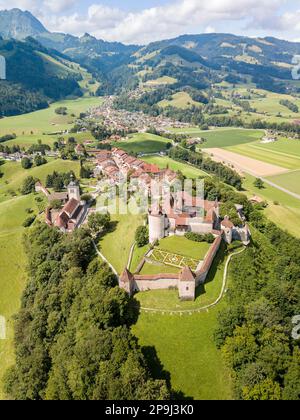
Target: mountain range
(191,61)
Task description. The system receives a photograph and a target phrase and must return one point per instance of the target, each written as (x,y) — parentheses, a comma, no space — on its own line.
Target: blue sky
(143,21)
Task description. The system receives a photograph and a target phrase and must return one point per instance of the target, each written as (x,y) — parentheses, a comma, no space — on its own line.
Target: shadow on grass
(112,227)
(158,372)
(220,258)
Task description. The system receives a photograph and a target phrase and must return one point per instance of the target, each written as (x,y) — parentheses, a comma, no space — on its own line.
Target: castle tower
(156,227)
(74,190)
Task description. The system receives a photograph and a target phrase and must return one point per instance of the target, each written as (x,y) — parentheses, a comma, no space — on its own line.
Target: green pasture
(165,162)
(14,174)
(143,143)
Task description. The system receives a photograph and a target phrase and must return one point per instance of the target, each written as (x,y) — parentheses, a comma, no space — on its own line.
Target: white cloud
(173,19)
(165,21)
(59,6)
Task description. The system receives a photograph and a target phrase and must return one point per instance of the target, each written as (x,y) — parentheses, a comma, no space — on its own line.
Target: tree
(28,185)
(26,163)
(258,183)
(142,236)
(98,222)
(61,110)
(55,204)
(39,160)
(292,378)
(266,390)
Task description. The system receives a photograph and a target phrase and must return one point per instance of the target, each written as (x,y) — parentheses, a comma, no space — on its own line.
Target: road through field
(251,166)
(245,164)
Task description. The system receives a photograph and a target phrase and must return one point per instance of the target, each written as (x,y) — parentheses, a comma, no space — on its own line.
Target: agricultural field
(165,162)
(229,137)
(143,143)
(289,181)
(283,209)
(244,164)
(270,154)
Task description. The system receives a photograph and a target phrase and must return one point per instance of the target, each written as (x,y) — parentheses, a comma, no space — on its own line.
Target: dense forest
(72,334)
(255,329)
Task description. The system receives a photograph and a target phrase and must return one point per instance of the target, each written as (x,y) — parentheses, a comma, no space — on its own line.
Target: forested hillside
(34,77)
(72,333)
(255,330)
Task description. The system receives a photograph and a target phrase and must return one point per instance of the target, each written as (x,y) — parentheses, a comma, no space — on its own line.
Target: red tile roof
(186,275)
(70,207)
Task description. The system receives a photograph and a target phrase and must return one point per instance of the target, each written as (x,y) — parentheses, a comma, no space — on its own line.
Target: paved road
(267,181)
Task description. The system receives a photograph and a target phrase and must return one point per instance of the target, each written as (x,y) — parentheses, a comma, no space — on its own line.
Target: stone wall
(207,263)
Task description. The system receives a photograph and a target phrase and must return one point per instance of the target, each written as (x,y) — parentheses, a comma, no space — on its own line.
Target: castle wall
(209,259)
(143,285)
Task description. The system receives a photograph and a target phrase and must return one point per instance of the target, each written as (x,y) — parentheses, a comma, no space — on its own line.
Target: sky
(144,21)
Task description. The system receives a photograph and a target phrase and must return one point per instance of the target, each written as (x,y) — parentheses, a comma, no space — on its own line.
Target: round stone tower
(156,227)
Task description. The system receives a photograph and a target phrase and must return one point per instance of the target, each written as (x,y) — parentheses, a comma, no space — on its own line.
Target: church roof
(71,206)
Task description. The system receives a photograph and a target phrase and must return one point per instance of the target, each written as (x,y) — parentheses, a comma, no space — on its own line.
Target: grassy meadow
(46,120)
(165,162)
(186,352)
(143,143)
(180,100)
(12,269)
(283,209)
(14,174)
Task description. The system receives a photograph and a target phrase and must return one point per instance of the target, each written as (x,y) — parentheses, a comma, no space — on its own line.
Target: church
(72,214)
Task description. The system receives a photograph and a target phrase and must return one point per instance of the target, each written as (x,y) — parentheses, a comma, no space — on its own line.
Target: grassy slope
(143,143)
(12,268)
(14,174)
(116,244)
(42,121)
(286,215)
(164,162)
(185,348)
(180,100)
